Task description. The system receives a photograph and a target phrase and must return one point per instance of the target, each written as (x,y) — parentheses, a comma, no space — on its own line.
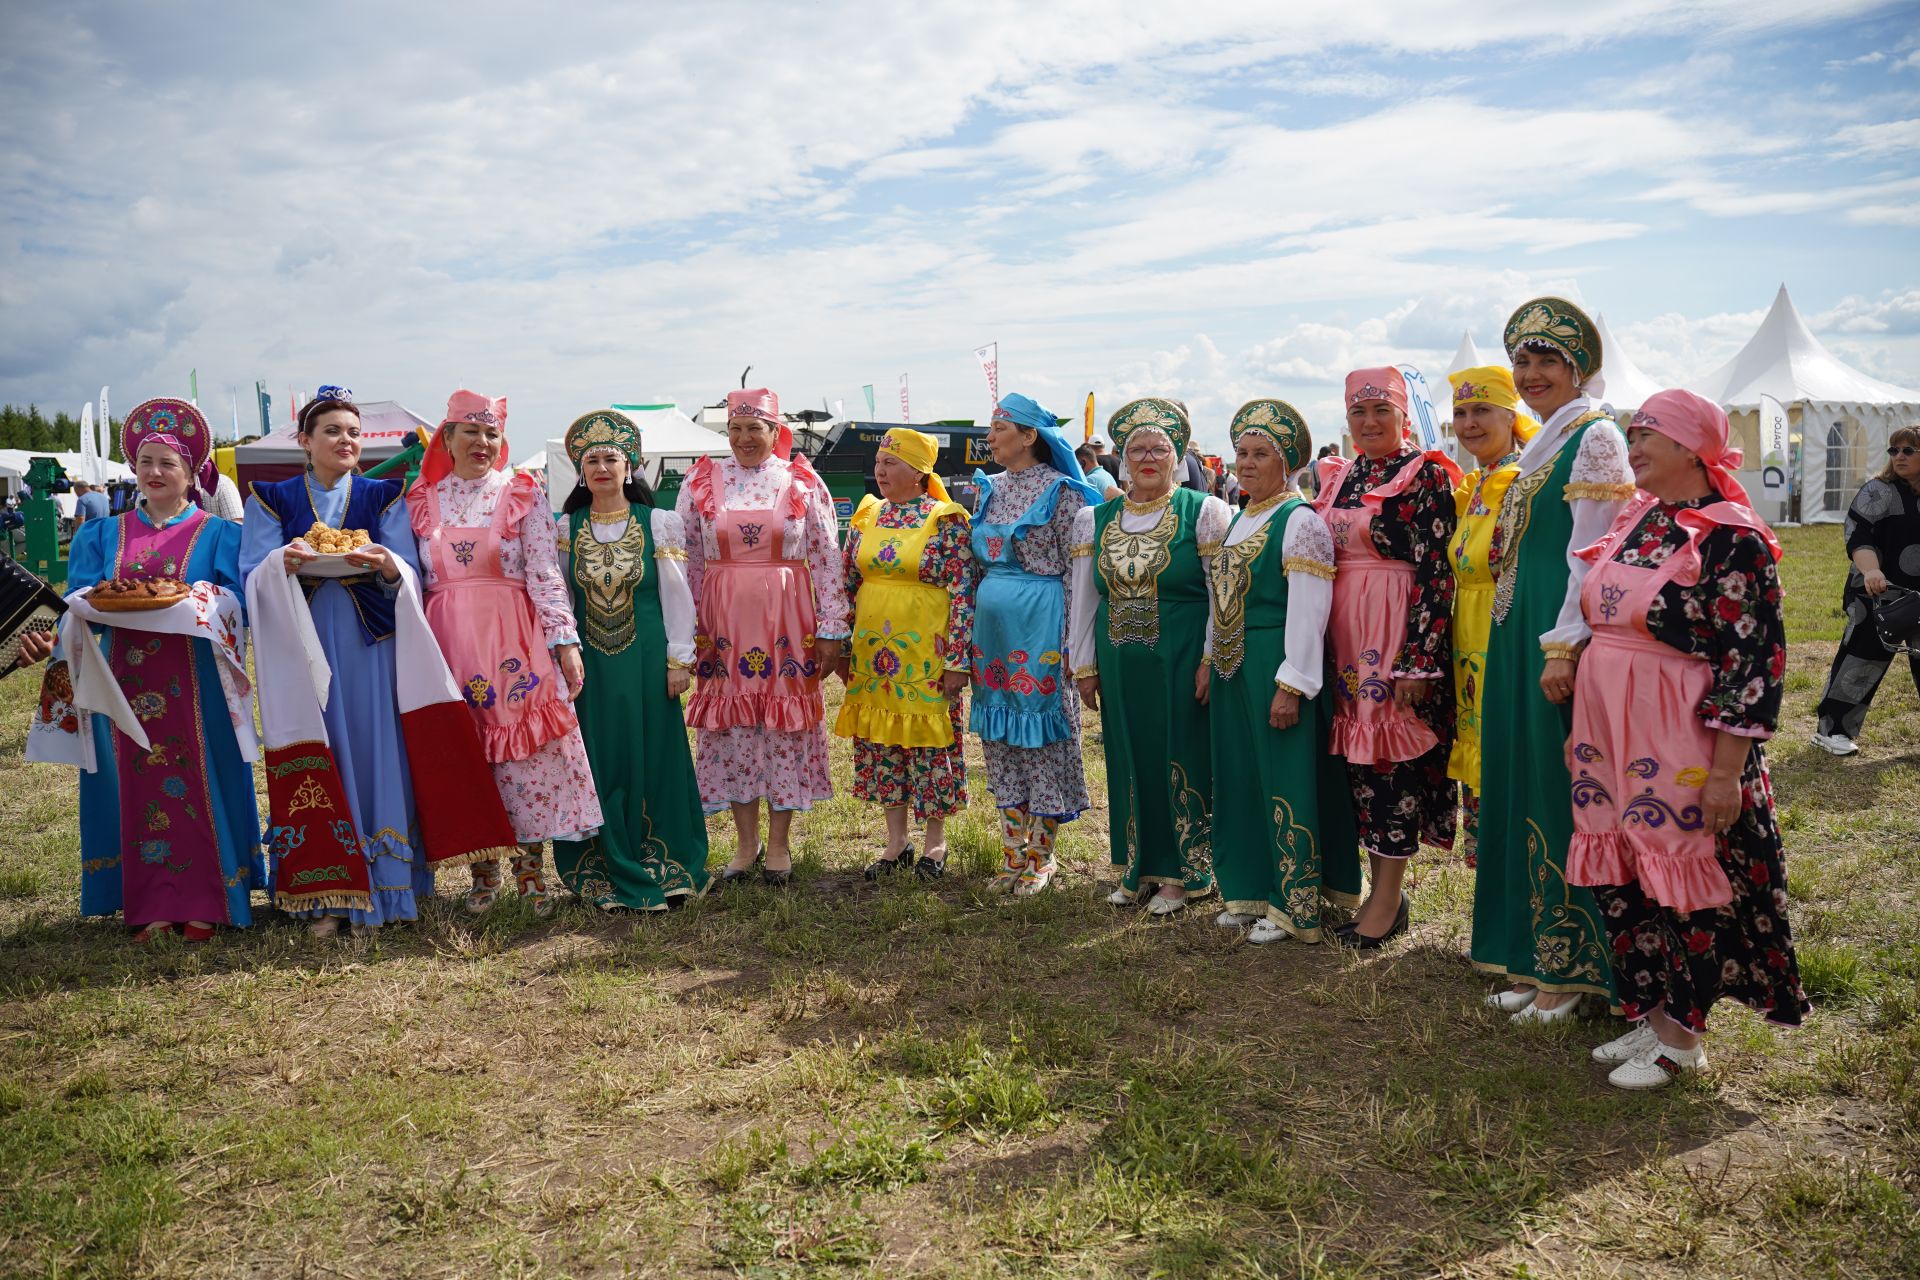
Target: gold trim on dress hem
(1551,988)
(1598,491)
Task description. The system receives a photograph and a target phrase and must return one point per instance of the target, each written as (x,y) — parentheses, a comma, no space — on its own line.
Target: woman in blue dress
(1024,708)
(354,620)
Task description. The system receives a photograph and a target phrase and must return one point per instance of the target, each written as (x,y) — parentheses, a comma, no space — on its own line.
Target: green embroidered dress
(653,846)
(1529,924)
(1283,832)
(1140,608)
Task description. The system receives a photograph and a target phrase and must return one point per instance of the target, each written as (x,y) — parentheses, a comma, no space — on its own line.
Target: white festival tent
(14,464)
(385,428)
(1624,386)
(669,439)
(1839,417)
(1468,355)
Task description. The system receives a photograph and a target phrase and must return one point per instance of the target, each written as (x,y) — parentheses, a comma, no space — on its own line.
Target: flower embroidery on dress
(479,691)
(750,533)
(755,662)
(174,787)
(155,852)
(463,552)
(1611,594)
(522,681)
(148,705)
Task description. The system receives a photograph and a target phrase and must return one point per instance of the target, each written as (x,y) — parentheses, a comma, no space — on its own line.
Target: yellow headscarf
(1491,384)
(918,450)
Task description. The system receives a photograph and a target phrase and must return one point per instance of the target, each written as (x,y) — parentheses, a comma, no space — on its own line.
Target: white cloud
(1885,138)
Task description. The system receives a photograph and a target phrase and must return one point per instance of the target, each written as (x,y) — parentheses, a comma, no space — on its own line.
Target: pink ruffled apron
(756,615)
(1639,752)
(1371,596)
(492,640)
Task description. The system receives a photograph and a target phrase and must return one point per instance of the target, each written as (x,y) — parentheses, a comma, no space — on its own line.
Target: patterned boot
(1037,874)
(1013,853)
(526,878)
(486,886)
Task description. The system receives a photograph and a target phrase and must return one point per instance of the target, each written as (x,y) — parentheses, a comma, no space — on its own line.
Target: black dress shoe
(887,866)
(1364,942)
(734,875)
(776,879)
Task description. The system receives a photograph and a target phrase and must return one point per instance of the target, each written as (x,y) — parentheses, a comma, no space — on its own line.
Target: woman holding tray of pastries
(168,834)
(501,610)
(328,510)
(625,563)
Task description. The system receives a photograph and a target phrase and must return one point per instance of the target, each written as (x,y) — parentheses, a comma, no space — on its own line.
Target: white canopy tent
(1840,417)
(385,428)
(1467,356)
(1625,387)
(669,439)
(14,463)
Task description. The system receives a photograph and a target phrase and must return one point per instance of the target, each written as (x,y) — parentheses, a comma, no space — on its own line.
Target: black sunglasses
(1902,450)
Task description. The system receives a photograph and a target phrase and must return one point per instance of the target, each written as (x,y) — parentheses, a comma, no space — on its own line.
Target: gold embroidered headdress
(1556,325)
(1169,417)
(607,428)
(1279,422)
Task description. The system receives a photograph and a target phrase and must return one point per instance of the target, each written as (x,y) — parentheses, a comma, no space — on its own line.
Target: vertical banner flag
(1089,434)
(104,425)
(233,394)
(266,408)
(989,358)
(839,408)
(89,446)
(1421,407)
(1773,448)
(193,388)
(870,409)
(904,415)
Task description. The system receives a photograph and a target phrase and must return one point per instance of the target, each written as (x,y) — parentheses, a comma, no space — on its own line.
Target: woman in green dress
(1137,635)
(1530,927)
(623,559)
(1283,831)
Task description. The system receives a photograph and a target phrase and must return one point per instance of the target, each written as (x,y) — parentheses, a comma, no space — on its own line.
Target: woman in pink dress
(1390,510)
(763,560)
(501,611)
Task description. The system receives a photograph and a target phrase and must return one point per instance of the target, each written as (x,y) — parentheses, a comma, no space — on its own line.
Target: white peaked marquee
(1626,388)
(1467,357)
(1841,416)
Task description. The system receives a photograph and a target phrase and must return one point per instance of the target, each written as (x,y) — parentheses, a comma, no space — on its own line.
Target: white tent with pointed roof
(1467,357)
(1839,416)
(1626,388)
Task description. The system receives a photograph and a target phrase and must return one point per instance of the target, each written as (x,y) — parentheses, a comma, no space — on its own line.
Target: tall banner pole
(89,446)
(1089,435)
(1773,448)
(105,427)
(989,358)
(193,388)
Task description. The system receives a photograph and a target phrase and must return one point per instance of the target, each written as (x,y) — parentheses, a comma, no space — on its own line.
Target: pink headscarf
(1378,384)
(1698,424)
(179,426)
(758,402)
(462,406)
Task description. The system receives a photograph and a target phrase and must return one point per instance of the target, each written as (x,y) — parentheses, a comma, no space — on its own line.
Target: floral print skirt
(746,764)
(1397,805)
(550,794)
(931,779)
(1686,961)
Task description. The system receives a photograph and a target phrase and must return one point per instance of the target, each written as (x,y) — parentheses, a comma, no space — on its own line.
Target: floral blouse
(467,504)
(1731,617)
(1415,526)
(946,563)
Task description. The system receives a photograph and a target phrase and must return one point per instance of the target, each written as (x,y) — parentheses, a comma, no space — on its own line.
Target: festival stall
(386,427)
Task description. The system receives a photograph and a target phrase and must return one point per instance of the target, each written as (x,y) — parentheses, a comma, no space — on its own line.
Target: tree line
(29,428)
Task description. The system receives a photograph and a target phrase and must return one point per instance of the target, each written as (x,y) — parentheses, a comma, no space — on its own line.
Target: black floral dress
(1396,806)
(1686,961)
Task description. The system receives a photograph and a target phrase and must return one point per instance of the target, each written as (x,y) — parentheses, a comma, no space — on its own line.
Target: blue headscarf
(1023,412)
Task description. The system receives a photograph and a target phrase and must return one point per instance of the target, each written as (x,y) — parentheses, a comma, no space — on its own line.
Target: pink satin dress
(1639,752)
(1371,596)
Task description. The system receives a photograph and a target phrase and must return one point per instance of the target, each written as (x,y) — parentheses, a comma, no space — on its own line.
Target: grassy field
(889,1081)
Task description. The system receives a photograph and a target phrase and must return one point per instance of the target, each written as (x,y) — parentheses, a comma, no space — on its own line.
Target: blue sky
(630,202)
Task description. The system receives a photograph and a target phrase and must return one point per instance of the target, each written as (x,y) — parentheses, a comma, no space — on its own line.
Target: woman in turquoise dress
(169,834)
(353,618)
(624,560)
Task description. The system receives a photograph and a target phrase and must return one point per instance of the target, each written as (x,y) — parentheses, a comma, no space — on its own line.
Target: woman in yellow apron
(1487,422)
(908,574)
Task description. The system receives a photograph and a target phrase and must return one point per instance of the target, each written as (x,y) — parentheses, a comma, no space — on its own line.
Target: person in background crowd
(1391,513)
(353,618)
(1023,709)
(1090,464)
(763,560)
(1487,424)
(909,573)
(1283,832)
(504,618)
(1674,827)
(1531,927)
(1883,542)
(1137,634)
(623,560)
(90,503)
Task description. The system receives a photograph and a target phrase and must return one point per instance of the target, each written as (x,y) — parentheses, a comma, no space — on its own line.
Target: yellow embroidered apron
(1478,502)
(893,689)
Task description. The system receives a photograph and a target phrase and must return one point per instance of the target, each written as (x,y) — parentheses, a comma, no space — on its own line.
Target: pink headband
(1377,384)
(471,406)
(758,402)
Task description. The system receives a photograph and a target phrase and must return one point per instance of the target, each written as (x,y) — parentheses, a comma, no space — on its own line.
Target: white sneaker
(1121,898)
(1626,1048)
(1265,931)
(1655,1068)
(1511,1001)
(1559,1013)
(1160,906)
(1234,920)
(1838,744)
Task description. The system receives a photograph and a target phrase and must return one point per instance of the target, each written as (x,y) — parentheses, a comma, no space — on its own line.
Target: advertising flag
(193,388)
(989,358)
(904,415)
(870,409)
(1089,434)
(1421,409)
(1773,448)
